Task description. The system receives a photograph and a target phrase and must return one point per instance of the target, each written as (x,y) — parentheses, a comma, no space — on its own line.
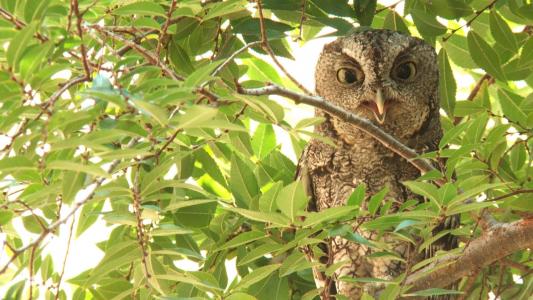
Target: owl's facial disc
(378,107)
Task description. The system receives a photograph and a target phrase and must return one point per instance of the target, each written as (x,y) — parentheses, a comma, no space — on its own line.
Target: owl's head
(385,76)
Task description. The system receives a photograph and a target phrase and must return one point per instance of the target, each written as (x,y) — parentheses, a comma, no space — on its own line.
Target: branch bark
(386,139)
(495,244)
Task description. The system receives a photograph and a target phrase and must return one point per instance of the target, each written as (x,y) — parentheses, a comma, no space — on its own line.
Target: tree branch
(493,245)
(268,49)
(386,139)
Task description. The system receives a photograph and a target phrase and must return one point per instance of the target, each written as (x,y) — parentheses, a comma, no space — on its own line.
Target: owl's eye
(349,75)
(405,71)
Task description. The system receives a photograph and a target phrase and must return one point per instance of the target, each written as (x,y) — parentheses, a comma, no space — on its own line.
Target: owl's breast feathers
(331,173)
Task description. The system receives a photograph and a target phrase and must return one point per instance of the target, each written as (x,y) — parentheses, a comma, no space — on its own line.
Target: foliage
(129,112)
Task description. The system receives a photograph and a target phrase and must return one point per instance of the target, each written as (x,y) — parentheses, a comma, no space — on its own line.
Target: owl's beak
(380,104)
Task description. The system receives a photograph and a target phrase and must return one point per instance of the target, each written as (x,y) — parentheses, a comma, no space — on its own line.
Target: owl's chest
(338,171)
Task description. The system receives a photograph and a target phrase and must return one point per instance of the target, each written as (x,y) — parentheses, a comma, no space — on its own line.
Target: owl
(390,79)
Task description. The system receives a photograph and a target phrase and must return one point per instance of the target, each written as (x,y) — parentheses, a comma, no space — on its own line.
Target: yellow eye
(405,71)
(350,75)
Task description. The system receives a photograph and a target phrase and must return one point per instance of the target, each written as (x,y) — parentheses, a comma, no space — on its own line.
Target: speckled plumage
(412,116)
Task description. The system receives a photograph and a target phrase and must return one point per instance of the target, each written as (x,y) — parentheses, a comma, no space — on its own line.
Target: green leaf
(88,216)
(243,239)
(152,110)
(501,32)
(5,217)
(427,190)
(16,163)
(256,276)
(447,86)
(263,140)
(376,199)
(72,183)
(201,75)
(366,280)
(261,71)
(451,9)
(295,262)
(34,10)
(77,167)
(292,200)
(510,103)
(195,117)
(473,192)
(484,55)
(462,208)
(358,195)
(329,214)
(364,11)
(170,229)
(272,217)
(240,296)
(19,43)
(258,253)
(457,49)
(174,205)
(426,24)
(432,292)
(466,108)
(225,8)
(146,8)
(242,182)
(210,166)
(394,21)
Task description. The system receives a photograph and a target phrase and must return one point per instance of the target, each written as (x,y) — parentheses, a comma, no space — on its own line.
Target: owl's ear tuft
(334,46)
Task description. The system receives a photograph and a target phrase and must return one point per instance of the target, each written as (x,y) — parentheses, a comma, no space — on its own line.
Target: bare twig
(79,19)
(62,273)
(513,193)
(302,20)
(386,139)
(392,6)
(163,33)
(141,239)
(96,183)
(268,49)
(469,22)
(474,92)
(151,57)
(46,106)
(232,57)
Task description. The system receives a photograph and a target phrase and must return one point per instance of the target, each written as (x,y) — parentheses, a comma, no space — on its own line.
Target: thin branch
(493,245)
(95,184)
(302,20)
(386,139)
(79,19)
(46,106)
(163,33)
(62,273)
(392,6)
(474,92)
(19,24)
(513,193)
(469,22)
(268,49)
(232,57)
(151,57)
(141,238)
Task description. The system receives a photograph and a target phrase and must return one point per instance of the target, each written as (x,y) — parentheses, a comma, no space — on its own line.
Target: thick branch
(493,245)
(386,139)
